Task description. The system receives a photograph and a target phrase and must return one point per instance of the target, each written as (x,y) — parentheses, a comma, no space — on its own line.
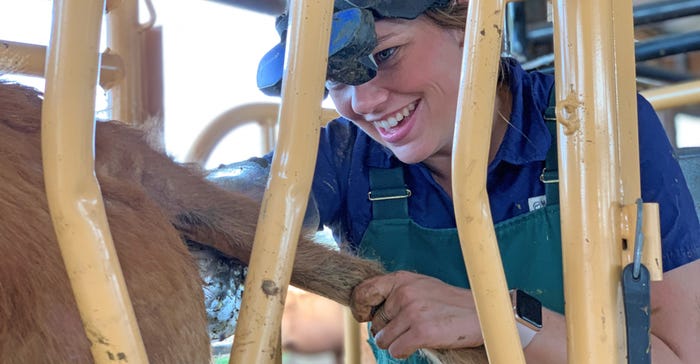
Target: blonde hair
(454,16)
(451,16)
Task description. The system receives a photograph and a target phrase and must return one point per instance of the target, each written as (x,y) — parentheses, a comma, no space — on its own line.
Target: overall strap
(550,174)
(388,193)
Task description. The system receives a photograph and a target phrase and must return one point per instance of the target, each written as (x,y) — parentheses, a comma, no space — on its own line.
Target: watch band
(526,334)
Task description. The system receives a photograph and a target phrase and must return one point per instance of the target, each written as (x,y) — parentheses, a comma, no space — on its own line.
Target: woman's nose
(367,97)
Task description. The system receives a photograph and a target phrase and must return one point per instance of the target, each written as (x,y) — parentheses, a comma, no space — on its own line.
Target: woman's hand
(410,311)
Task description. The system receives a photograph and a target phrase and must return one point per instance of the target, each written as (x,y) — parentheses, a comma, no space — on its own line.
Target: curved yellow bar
(287,194)
(470,159)
(264,114)
(74,197)
(681,94)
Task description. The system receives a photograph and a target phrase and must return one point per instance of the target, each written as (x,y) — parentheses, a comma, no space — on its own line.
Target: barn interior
(667,51)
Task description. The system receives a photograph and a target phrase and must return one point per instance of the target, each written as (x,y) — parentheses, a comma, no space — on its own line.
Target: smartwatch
(528,315)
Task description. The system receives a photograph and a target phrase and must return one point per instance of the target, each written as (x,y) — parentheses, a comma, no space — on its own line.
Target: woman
(395,140)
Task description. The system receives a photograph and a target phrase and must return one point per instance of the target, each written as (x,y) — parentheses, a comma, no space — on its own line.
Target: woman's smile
(396,125)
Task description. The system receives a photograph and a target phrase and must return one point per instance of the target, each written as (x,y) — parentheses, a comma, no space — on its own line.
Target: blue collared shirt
(346,153)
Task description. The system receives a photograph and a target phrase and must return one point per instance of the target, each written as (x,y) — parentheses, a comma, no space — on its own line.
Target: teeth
(392,121)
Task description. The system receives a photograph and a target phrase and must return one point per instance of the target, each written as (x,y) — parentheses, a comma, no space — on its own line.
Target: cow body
(152,205)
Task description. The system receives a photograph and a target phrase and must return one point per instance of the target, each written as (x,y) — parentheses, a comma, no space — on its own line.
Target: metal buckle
(548,180)
(369,196)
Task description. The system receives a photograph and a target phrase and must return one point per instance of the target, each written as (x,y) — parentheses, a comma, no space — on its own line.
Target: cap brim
(271,70)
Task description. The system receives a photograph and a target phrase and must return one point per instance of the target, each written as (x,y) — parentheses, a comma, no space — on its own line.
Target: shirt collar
(379,156)
(527,138)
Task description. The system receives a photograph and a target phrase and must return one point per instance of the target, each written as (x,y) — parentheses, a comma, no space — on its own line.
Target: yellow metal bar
(265,114)
(124,39)
(625,97)
(351,339)
(21,58)
(681,94)
(153,74)
(285,199)
(628,144)
(269,136)
(590,187)
(470,159)
(29,60)
(74,197)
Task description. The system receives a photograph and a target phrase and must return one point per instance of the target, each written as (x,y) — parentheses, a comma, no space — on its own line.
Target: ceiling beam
(272,7)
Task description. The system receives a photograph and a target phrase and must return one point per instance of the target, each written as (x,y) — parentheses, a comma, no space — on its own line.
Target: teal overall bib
(530,244)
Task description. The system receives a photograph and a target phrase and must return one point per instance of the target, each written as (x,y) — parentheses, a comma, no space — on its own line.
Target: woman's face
(410,105)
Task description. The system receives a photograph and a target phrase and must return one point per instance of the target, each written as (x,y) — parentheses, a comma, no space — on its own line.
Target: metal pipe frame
(30,60)
(124,39)
(667,97)
(515,40)
(285,199)
(595,186)
(643,14)
(127,341)
(482,46)
(74,197)
(661,75)
(264,114)
(271,7)
(624,78)
(660,47)
(669,45)
(666,10)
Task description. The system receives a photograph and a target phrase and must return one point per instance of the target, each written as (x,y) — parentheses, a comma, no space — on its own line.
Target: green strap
(550,174)
(388,193)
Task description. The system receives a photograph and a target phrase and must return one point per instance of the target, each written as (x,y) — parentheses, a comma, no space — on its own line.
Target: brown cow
(152,204)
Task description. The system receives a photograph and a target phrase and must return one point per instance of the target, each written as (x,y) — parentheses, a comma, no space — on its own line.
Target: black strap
(550,174)
(388,193)
(635,293)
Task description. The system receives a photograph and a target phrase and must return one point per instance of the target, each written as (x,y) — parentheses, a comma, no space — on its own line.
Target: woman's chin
(408,157)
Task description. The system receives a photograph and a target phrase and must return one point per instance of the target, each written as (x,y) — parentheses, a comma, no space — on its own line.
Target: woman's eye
(384,55)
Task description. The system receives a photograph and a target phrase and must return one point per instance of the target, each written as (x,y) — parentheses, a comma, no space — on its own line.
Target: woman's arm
(675,316)
(675,322)
(424,312)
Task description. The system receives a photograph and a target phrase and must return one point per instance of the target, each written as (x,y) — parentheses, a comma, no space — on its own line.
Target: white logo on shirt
(537,202)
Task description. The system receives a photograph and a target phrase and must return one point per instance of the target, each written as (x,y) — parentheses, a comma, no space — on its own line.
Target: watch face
(528,308)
